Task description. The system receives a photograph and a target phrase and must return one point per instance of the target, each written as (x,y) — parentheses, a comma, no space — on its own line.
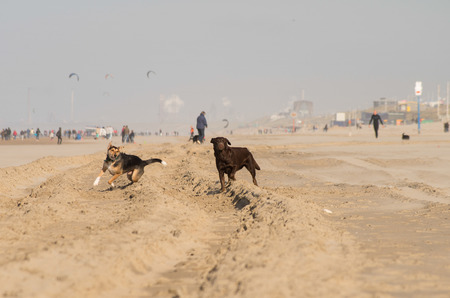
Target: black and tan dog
(229,160)
(194,139)
(119,163)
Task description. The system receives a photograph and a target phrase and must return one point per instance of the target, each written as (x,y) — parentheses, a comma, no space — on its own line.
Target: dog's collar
(110,159)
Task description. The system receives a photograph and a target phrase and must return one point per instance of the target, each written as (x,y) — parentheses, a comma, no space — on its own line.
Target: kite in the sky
(74,74)
(227,122)
(149,72)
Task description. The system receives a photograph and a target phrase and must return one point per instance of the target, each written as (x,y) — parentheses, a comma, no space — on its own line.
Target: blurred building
(385,105)
(303,108)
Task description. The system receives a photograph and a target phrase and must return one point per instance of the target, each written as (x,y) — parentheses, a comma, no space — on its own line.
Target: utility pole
(448,91)
(438,99)
(71,106)
(418,94)
(29,107)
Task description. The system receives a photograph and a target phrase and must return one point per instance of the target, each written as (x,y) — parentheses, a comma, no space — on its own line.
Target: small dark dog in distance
(229,160)
(194,139)
(405,137)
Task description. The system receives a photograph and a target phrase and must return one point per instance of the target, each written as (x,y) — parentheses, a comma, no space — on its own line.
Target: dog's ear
(228,141)
(212,140)
(120,148)
(109,145)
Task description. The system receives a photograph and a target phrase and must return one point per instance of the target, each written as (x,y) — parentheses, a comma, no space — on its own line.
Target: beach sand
(337,214)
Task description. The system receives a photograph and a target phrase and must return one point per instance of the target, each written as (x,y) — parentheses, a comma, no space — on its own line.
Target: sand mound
(170,232)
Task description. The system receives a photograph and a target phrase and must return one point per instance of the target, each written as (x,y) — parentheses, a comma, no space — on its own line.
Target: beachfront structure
(303,108)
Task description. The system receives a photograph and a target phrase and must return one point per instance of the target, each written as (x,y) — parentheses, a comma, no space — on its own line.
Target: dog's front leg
(222,181)
(98,178)
(231,178)
(229,181)
(111,181)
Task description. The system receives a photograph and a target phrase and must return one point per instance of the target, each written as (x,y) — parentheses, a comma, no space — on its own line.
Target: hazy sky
(241,59)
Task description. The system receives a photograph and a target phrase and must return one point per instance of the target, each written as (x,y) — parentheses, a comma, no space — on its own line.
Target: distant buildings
(404,111)
(303,108)
(384,104)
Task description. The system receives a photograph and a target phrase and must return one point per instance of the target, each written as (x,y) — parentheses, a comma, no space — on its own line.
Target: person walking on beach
(375,119)
(201,125)
(125,134)
(59,136)
(131,137)
(192,134)
(109,132)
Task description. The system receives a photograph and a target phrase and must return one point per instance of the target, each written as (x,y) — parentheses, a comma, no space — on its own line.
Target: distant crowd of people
(127,135)
(7,134)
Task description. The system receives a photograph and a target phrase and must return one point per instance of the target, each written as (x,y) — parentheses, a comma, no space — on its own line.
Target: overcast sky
(239,59)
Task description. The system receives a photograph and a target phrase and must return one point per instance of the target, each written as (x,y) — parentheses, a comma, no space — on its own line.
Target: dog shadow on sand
(239,201)
(121,187)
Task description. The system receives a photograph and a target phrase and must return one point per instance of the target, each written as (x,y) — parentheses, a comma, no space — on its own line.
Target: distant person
(126,133)
(376,119)
(131,137)
(38,132)
(446,127)
(59,136)
(103,132)
(122,134)
(325,128)
(192,133)
(109,132)
(201,125)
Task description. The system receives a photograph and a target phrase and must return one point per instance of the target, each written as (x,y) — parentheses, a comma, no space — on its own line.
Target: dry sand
(173,234)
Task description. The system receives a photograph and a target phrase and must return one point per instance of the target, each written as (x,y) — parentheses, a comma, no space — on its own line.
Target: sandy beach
(336,214)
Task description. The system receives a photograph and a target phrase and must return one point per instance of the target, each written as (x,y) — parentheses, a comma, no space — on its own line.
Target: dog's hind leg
(252,171)
(136,175)
(130,175)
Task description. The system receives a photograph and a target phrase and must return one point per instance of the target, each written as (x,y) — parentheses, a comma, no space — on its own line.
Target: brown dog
(229,160)
(118,163)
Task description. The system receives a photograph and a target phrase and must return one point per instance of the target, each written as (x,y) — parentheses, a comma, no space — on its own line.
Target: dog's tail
(152,160)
